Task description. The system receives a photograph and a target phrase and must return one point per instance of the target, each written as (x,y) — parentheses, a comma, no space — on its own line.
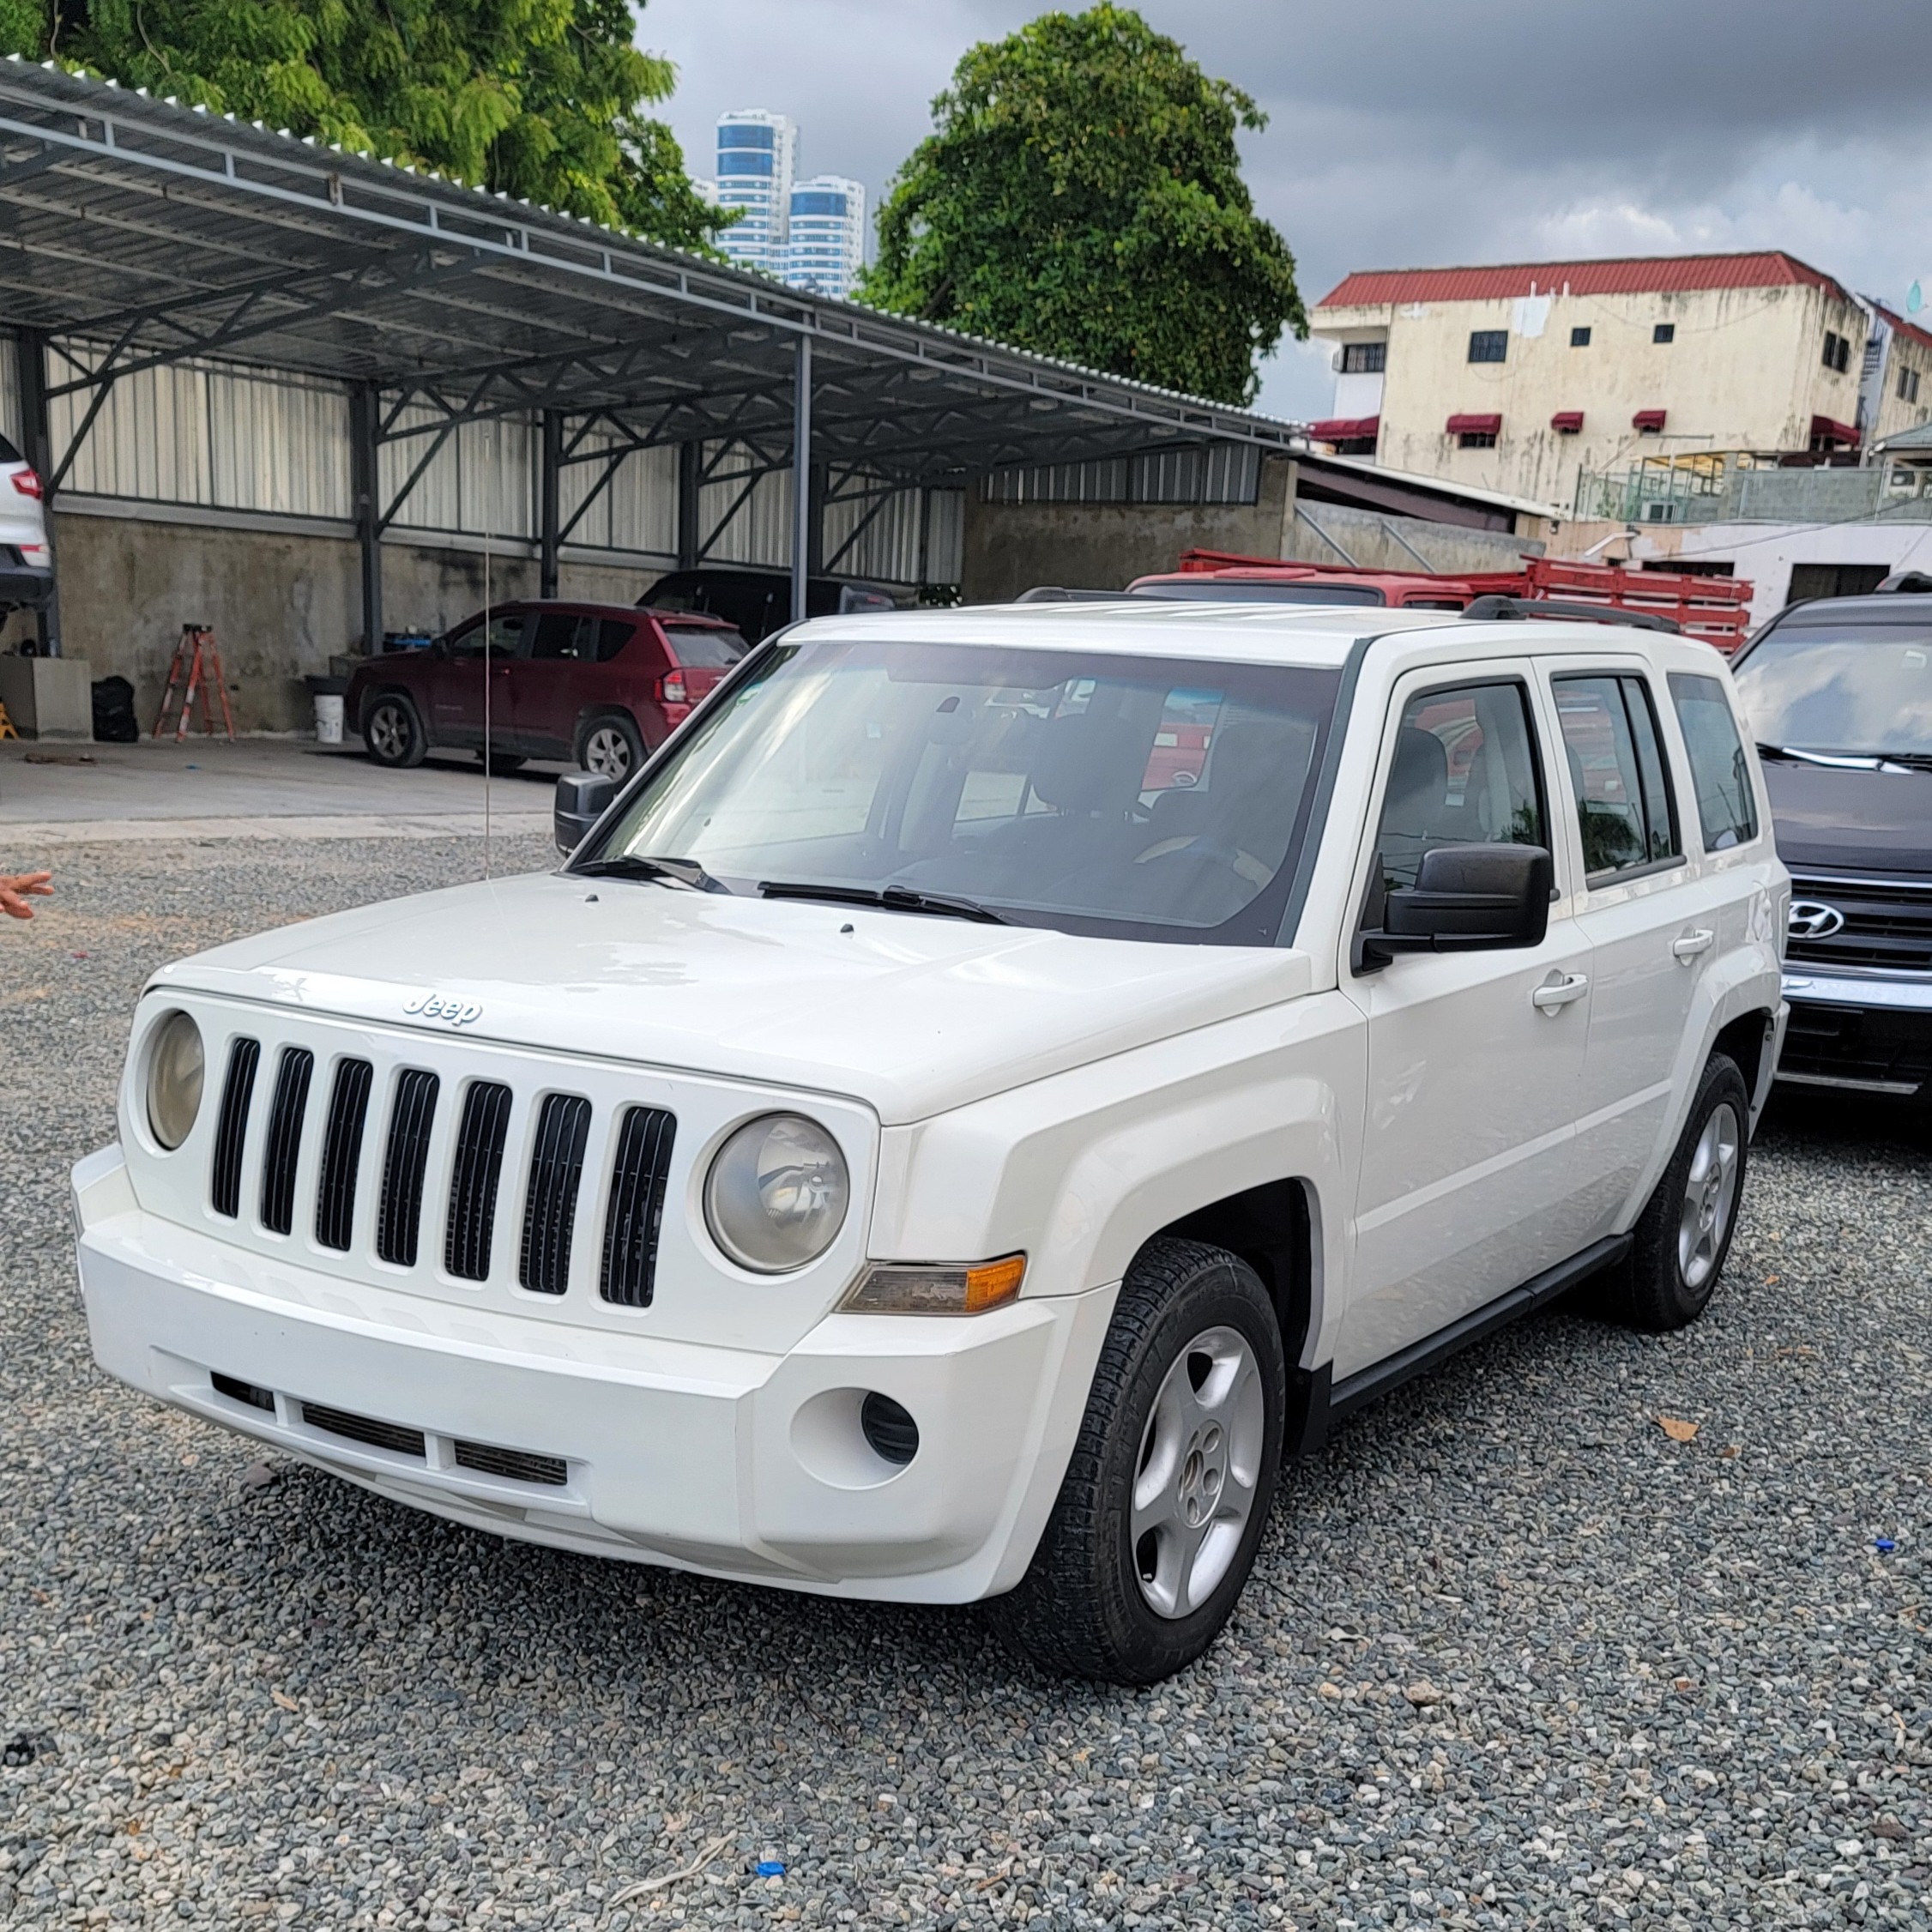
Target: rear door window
(612,634)
(1625,813)
(1726,807)
(564,634)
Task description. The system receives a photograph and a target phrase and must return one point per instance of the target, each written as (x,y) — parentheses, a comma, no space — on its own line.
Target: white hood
(912,1014)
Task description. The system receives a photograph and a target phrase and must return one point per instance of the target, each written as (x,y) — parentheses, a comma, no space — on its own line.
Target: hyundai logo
(1810,920)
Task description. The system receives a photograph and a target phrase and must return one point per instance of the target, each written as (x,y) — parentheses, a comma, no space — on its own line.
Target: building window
(1488,345)
(1364,358)
(1579,336)
(1477,439)
(1908,385)
(1665,332)
(1837,351)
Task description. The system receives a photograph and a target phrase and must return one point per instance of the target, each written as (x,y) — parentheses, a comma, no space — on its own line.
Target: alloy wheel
(608,752)
(1200,1460)
(1710,1196)
(389,732)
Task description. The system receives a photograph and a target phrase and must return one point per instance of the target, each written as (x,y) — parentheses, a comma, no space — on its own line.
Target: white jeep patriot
(993,1085)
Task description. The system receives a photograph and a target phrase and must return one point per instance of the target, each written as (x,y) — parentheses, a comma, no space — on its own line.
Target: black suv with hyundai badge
(1838,691)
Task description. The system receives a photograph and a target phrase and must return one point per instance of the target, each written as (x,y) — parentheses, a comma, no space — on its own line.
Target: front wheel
(1684,1237)
(611,745)
(1167,1491)
(392,729)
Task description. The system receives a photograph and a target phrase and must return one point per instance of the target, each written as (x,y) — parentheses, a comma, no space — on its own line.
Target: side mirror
(581,799)
(1466,899)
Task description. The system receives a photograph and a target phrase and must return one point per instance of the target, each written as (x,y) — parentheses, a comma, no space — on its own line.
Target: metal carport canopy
(164,232)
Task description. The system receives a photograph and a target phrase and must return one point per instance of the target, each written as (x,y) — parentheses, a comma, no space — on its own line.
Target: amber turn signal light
(916,1288)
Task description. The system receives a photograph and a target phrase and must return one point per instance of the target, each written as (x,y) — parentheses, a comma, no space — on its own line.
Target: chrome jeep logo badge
(1810,920)
(444,1007)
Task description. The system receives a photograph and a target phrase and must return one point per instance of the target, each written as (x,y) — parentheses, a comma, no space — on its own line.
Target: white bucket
(328,720)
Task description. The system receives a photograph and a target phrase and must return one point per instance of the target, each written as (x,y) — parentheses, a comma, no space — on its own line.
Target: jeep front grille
(637,1206)
(230,1130)
(407,1154)
(520,1465)
(342,1154)
(366,1429)
(550,1200)
(285,1138)
(473,1187)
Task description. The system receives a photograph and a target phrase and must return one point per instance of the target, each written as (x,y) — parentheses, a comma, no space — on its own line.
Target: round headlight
(174,1079)
(777,1193)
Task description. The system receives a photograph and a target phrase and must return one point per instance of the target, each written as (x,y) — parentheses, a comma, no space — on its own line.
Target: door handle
(1558,993)
(1687,948)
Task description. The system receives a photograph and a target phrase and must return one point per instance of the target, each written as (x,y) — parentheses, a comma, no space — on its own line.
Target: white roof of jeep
(1319,635)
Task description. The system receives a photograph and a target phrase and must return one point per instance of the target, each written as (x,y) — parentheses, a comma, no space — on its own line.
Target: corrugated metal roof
(1895,321)
(1625,276)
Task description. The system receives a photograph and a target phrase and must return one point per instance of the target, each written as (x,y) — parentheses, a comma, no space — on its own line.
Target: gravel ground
(1511,1654)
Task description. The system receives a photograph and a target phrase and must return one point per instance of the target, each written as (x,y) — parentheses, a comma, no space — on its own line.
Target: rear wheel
(392,730)
(1684,1237)
(1167,1491)
(611,745)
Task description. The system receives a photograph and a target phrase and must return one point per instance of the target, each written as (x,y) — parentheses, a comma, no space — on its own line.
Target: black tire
(392,730)
(600,739)
(1083,1607)
(1684,1235)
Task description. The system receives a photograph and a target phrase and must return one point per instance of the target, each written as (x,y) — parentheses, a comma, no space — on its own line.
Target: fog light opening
(891,1431)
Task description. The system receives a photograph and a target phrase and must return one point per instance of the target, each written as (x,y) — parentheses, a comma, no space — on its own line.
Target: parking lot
(1513,1653)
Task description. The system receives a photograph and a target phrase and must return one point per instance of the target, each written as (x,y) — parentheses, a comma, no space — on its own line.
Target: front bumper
(1858,1032)
(24,588)
(727,1461)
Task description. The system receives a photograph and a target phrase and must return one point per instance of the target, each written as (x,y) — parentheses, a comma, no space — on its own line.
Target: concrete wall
(1746,372)
(282,602)
(1011,547)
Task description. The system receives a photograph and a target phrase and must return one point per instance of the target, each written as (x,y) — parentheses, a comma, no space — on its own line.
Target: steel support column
(549,540)
(690,468)
(30,365)
(366,486)
(802,503)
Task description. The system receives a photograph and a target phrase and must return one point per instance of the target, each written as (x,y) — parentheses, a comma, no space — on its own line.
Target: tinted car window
(1719,771)
(1856,689)
(564,634)
(1225,591)
(612,634)
(1616,773)
(1465,773)
(705,646)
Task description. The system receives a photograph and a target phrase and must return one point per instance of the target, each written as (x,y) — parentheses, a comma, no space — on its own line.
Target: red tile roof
(1627,276)
(1904,328)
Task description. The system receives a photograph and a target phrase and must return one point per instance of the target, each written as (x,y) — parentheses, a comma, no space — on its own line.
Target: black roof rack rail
(1908,584)
(1493,607)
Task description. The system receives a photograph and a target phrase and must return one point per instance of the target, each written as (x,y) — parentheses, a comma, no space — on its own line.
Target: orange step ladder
(197,666)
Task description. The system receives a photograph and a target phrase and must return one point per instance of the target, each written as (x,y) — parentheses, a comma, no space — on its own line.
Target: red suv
(598,683)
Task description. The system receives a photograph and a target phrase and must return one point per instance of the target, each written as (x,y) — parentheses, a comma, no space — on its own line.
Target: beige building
(1518,378)
(1897,393)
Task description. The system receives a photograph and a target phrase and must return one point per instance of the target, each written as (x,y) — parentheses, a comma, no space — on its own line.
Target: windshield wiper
(630,865)
(893,898)
(1852,761)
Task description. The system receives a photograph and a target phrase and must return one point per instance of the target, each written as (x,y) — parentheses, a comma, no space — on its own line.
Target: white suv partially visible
(26,572)
(991,1085)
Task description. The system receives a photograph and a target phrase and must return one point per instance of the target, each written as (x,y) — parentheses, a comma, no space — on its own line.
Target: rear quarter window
(1720,772)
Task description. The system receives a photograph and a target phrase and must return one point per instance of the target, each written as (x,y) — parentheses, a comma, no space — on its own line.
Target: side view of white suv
(996,1081)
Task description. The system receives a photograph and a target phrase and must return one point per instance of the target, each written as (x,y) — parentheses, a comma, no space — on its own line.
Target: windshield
(1244,590)
(1864,689)
(1136,797)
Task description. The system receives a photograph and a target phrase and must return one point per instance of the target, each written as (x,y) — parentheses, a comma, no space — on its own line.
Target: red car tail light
(671,689)
(27,481)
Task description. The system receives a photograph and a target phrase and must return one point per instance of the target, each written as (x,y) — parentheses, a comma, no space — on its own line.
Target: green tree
(1082,195)
(543,99)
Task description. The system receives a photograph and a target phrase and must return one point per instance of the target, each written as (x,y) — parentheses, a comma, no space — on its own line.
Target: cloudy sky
(1413,132)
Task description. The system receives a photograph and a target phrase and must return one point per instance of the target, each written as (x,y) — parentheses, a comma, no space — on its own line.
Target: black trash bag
(113,712)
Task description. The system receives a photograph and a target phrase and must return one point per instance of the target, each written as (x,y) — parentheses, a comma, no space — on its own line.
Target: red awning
(1347,429)
(1648,419)
(1567,422)
(1475,426)
(1824,430)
